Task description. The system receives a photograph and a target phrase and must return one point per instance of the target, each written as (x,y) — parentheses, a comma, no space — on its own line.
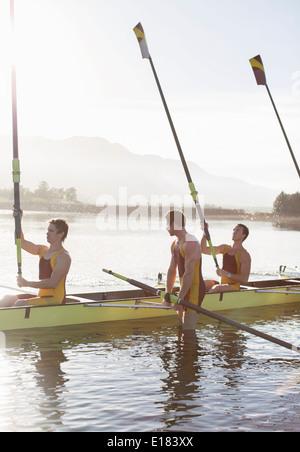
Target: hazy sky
(80,72)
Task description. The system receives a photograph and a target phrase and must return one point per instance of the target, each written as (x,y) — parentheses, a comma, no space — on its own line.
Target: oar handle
(174,299)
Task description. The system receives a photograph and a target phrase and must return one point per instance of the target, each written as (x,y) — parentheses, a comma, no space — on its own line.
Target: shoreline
(211,213)
(81,207)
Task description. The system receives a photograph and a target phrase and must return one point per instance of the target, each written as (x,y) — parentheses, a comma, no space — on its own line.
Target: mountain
(108,172)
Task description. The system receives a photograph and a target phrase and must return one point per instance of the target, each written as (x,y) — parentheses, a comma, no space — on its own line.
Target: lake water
(144,376)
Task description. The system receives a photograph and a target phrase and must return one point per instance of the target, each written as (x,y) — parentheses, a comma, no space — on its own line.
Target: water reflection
(188,362)
(182,361)
(44,361)
(52,380)
(128,374)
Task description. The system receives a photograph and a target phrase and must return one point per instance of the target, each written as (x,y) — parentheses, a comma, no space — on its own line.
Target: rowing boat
(125,305)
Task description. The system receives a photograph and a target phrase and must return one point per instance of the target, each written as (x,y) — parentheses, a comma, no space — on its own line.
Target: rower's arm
(26,245)
(192,251)
(30,247)
(171,274)
(206,249)
(171,278)
(245,268)
(61,269)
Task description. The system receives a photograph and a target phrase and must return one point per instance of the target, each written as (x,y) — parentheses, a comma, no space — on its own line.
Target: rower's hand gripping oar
(176,300)
(139,32)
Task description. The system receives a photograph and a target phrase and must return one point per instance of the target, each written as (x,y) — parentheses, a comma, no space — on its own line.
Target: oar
(16,289)
(284,292)
(260,76)
(177,300)
(139,32)
(16,161)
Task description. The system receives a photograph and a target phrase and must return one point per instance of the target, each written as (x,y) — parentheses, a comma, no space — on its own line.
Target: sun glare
(50,60)
(44,42)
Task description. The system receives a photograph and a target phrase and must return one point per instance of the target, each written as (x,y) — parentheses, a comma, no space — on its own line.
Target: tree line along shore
(285,214)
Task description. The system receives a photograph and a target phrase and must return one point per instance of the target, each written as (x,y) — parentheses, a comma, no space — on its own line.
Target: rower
(54,266)
(187,259)
(236,262)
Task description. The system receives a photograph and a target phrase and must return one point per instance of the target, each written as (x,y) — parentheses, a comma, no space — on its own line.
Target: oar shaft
(214,315)
(16,289)
(239,325)
(16,161)
(186,169)
(283,131)
(193,190)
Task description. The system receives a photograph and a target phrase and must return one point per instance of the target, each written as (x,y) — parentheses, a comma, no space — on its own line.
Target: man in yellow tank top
(187,259)
(236,262)
(54,266)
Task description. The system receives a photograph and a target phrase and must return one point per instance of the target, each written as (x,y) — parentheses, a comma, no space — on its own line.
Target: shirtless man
(236,262)
(187,258)
(54,266)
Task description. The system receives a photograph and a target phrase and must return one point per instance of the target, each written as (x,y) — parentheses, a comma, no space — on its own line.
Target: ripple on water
(145,377)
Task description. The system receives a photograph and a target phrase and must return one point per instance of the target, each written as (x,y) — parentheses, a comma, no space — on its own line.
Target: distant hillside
(97,168)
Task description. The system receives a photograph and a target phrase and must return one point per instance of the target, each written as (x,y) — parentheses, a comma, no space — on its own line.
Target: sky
(80,73)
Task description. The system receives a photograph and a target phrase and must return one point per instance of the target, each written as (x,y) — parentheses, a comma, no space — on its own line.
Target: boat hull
(127,305)
(76,314)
